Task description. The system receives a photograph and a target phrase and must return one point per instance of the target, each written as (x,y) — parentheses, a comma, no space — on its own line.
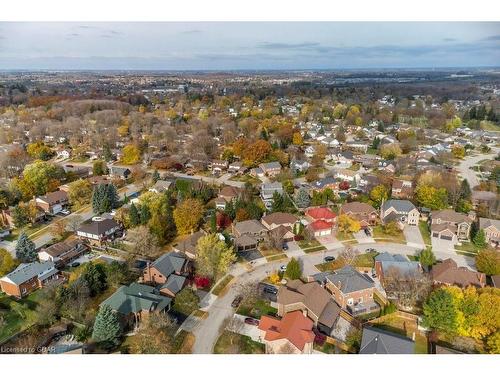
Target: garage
(448,238)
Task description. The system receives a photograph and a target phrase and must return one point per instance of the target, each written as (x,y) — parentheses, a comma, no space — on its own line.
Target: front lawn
(259,308)
(362,260)
(468,248)
(379,233)
(246,178)
(424,231)
(234,343)
(341,236)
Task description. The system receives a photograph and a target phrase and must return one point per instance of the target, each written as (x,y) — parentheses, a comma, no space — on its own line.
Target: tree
(440,312)
(134,216)
(74,222)
(213,256)
(480,239)
(41,177)
(187,215)
(99,168)
(154,335)
(302,198)
(104,198)
(144,214)
(144,242)
(427,257)
(79,193)
(7,262)
(20,216)
(58,228)
(312,174)
(25,249)
(430,197)
(131,155)
(293,269)
(297,139)
(186,301)
(39,150)
(458,151)
(256,153)
(379,194)
(156,176)
(390,151)
(347,224)
(107,329)
(94,276)
(488,262)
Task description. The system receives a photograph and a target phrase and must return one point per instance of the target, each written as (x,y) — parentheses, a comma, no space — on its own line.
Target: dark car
(75,264)
(367,232)
(270,289)
(329,258)
(284,246)
(236,302)
(252,321)
(370,250)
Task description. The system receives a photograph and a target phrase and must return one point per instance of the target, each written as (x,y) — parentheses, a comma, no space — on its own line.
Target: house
(169,273)
(99,230)
(479,197)
(491,230)
(64,252)
(53,203)
(120,172)
(267,191)
(135,301)
(448,273)
(352,290)
(401,211)
(226,195)
(188,245)
(368,182)
(257,172)
(218,166)
(321,220)
(355,146)
(313,301)
(347,175)
(270,169)
(160,186)
(362,212)
(28,277)
(63,153)
(236,167)
(299,166)
(391,265)
(277,219)
(328,182)
(377,341)
(450,225)
(248,234)
(402,189)
(292,334)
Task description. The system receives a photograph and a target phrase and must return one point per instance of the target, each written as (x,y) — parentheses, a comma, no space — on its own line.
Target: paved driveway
(413,236)
(361,237)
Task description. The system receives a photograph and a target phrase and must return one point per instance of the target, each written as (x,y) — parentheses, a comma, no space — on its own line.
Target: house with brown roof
(226,195)
(491,230)
(188,245)
(290,335)
(53,203)
(64,252)
(450,225)
(277,219)
(448,273)
(99,230)
(402,189)
(362,212)
(247,234)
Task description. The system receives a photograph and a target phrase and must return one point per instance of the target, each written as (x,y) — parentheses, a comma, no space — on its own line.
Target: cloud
(189,32)
(491,38)
(304,45)
(449,40)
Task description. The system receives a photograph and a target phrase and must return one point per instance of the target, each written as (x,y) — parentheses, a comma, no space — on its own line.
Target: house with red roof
(291,335)
(321,220)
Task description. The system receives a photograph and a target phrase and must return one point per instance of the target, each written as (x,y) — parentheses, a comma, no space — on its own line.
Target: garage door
(448,238)
(324,233)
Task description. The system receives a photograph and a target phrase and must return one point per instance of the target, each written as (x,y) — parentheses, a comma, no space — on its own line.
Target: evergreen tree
(480,239)
(112,197)
(108,155)
(144,214)
(427,257)
(376,143)
(134,216)
(213,223)
(25,249)
(278,202)
(381,127)
(107,329)
(465,191)
(302,198)
(230,210)
(95,277)
(156,176)
(293,270)
(97,199)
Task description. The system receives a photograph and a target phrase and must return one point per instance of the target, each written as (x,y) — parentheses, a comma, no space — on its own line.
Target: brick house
(362,212)
(28,277)
(450,225)
(328,182)
(188,245)
(448,273)
(491,230)
(53,203)
(99,230)
(63,253)
(271,169)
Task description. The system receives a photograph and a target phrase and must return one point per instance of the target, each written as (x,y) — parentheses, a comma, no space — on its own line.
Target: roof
(330,314)
(320,213)
(398,262)
(377,341)
(189,244)
(272,186)
(320,224)
(245,240)
(485,223)
(451,216)
(348,280)
(229,191)
(161,184)
(174,283)
(60,248)
(249,226)
(169,263)
(270,165)
(279,218)
(326,181)
(136,298)
(54,197)
(294,327)
(495,280)
(26,271)
(98,227)
(357,207)
(399,205)
(312,295)
(447,272)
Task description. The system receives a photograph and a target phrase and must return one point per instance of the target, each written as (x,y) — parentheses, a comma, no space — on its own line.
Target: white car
(283,268)
(65,212)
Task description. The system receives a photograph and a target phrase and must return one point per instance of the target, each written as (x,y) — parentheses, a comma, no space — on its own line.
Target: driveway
(247,329)
(413,236)
(362,237)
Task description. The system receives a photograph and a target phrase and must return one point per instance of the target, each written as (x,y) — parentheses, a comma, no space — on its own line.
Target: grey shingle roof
(26,271)
(169,263)
(399,262)
(400,205)
(174,283)
(350,280)
(136,298)
(98,228)
(377,341)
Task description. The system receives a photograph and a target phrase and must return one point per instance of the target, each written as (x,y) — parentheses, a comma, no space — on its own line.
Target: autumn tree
(41,177)
(256,153)
(143,241)
(154,335)
(431,197)
(213,256)
(347,224)
(293,269)
(39,150)
(187,215)
(379,194)
(79,193)
(390,151)
(7,262)
(488,262)
(131,155)
(99,168)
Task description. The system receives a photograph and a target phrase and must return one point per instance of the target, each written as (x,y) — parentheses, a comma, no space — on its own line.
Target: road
(468,162)
(207,331)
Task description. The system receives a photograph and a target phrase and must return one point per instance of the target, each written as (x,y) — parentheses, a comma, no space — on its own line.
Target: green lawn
(326,348)
(17,314)
(234,343)
(261,307)
(246,178)
(29,230)
(362,260)
(222,284)
(276,257)
(314,249)
(468,247)
(424,231)
(379,233)
(341,236)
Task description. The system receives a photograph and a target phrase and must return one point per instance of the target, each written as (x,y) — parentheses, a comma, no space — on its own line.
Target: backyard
(16,315)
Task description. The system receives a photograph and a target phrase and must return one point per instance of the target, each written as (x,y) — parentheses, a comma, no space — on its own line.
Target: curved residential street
(207,331)
(468,162)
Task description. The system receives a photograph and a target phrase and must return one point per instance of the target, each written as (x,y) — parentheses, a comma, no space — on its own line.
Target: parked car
(270,289)
(236,302)
(329,258)
(252,321)
(65,212)
(367,232)
(283,268)
(370,250)
(75,264)
(284,246)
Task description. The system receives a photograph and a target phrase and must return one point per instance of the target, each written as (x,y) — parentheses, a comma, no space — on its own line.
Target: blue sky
(248,45)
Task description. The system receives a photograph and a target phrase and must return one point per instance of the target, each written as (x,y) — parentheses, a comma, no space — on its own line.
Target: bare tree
(408,289)
(348,255)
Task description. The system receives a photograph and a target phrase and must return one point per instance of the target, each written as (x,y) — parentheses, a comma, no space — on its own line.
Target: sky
(247,45)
